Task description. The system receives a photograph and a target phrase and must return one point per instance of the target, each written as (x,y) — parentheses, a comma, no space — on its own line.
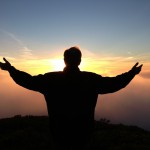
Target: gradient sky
(112,34)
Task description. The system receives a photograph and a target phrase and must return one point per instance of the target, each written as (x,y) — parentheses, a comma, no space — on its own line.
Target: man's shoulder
(90,74)
(83,73)
(54,73)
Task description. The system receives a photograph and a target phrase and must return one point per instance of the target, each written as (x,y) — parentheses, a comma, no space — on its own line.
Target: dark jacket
(71,95)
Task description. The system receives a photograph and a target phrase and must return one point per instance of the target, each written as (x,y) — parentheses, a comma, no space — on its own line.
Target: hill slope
(30,132)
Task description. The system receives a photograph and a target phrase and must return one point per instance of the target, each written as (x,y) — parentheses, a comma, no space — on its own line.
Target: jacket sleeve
(26,80)
(113,84)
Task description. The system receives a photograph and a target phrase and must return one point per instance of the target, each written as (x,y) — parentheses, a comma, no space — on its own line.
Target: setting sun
(57,64)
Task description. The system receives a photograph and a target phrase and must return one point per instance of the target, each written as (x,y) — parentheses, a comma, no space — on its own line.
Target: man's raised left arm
(22,78)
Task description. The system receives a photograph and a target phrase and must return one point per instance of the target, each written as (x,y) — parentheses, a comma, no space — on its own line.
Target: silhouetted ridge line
(32,132)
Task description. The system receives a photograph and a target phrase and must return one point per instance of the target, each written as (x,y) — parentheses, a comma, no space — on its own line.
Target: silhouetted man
(71,97)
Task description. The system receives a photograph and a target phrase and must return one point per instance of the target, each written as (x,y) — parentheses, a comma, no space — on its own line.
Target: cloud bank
(129,105)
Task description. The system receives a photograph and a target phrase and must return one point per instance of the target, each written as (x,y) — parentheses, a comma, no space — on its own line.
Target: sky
(112,34)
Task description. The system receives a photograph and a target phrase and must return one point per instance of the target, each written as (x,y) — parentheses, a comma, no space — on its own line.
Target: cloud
(19,100)
(12,36)
(145,74)
(24,52)
(106,65)
(129,105)
(111,65)
(145,57)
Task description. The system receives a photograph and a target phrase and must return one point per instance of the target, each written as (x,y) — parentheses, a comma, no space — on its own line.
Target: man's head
(72,57)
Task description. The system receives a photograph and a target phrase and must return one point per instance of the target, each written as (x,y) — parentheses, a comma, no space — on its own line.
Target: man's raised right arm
(113,84)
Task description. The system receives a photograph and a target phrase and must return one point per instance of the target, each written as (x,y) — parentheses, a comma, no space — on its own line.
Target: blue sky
(113,34)
(110,26)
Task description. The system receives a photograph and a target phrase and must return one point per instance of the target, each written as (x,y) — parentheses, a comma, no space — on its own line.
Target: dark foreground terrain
(32,133)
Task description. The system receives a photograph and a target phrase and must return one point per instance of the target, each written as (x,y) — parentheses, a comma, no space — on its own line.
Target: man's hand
(6,65)
(136,69)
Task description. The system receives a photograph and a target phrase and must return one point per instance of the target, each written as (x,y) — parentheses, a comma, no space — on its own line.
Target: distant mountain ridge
(32,132)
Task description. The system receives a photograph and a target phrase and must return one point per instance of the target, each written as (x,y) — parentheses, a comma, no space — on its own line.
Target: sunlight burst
(57,64)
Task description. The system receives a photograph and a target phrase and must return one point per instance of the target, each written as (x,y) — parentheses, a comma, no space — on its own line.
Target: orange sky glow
(23,101)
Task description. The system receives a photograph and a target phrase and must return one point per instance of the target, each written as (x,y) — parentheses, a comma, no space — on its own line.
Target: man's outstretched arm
(113,84)
(5,66)
(22,78)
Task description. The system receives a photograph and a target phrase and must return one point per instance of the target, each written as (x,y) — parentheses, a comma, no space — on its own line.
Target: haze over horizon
(112,34)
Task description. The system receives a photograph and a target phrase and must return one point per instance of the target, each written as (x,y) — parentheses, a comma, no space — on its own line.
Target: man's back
(71,98)
(71,94)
